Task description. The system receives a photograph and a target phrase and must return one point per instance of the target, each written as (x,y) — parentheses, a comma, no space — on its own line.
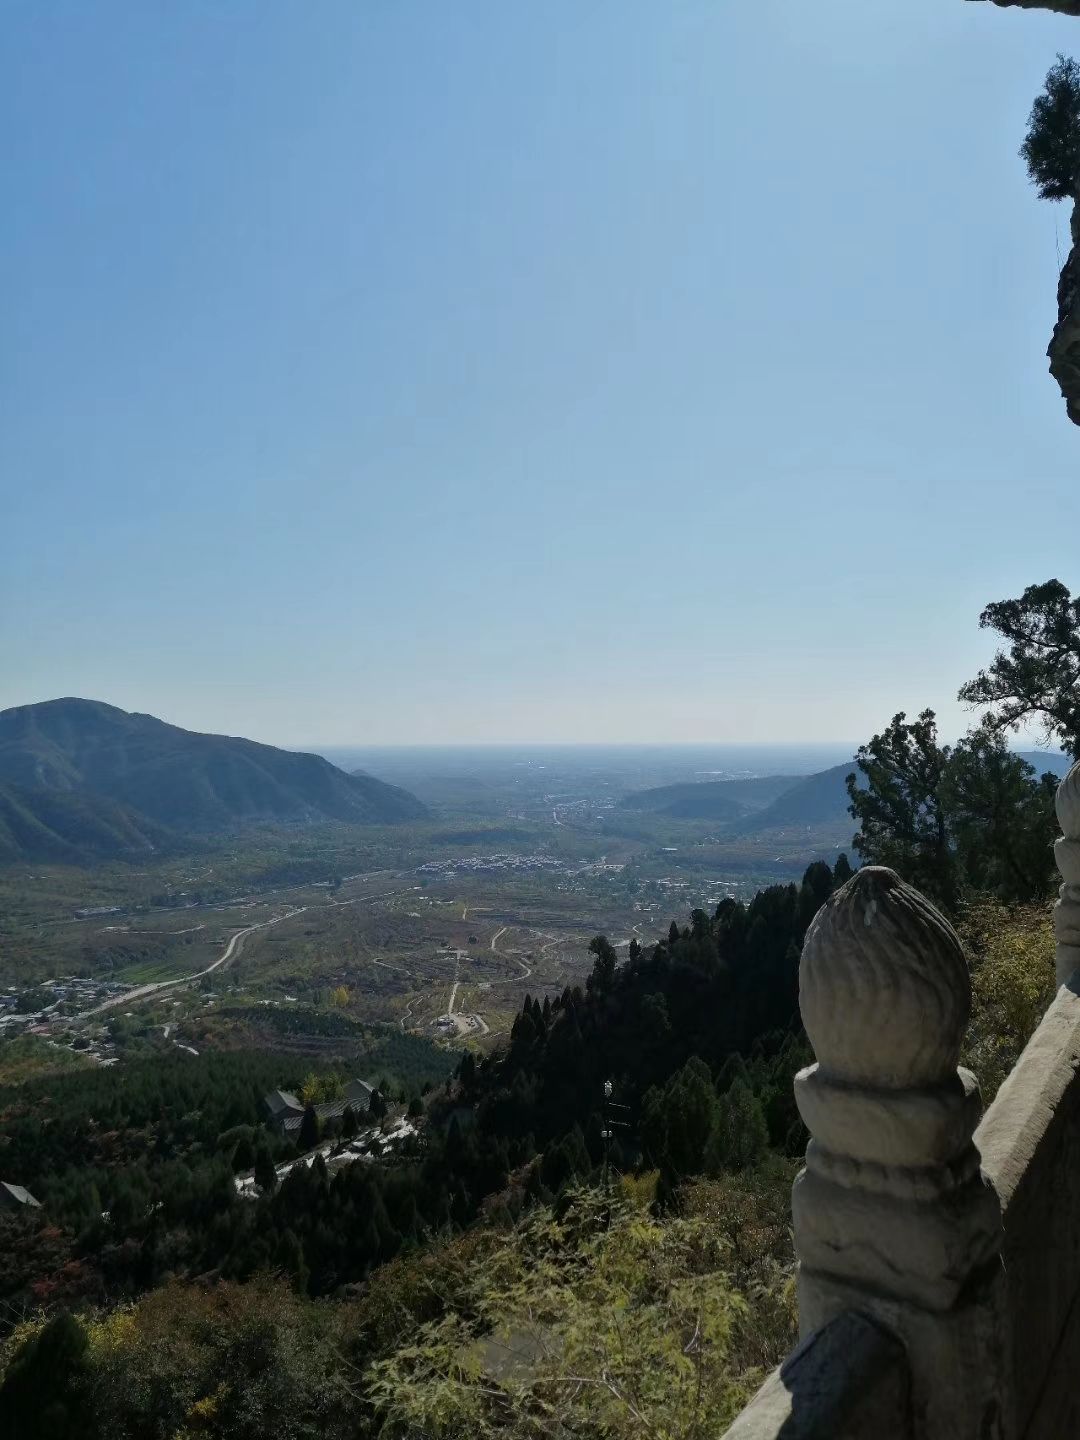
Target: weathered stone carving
(1067,855)
(892,1199)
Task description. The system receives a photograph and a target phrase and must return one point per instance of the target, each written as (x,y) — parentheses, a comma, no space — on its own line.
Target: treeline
(699,1035)
(974,817)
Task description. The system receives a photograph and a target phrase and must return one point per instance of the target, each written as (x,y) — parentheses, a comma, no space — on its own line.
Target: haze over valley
(538,602)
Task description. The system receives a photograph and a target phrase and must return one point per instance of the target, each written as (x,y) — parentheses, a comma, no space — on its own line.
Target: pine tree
(1051,148)
(309,1129)
(265,1174)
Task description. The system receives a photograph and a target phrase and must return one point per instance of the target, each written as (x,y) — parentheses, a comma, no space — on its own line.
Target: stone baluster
(893,1217)
(1067,855)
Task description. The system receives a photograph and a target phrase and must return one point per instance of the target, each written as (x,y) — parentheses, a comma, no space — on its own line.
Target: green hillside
(822,799)
(99,758)
(710,799)
(68,828)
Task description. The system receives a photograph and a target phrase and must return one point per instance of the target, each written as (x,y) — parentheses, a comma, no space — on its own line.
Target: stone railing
(939,1257)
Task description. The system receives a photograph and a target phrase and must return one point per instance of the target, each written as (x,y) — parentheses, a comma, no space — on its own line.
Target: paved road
(232,949)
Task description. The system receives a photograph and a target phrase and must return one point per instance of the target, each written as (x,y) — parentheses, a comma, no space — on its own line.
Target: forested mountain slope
(64,827)
(178,778)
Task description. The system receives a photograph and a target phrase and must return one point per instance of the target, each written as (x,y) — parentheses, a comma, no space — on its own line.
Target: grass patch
(28,1057)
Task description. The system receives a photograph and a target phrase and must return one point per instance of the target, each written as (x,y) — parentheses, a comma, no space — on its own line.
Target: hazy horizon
(1026,739)
(496,375)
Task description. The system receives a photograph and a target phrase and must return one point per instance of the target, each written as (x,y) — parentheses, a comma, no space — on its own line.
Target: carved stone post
(892,1215)
(1067,855)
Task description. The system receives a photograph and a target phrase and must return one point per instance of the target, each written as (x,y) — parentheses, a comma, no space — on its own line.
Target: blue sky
(385,371)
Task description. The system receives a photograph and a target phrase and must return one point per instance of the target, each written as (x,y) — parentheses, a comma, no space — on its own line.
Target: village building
(287,1110)
(17,1197)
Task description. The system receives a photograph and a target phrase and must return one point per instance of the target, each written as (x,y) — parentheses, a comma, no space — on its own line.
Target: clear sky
(392,370)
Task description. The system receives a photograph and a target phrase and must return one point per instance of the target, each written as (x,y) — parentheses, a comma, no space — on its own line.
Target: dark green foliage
(676,1122)
(740,1134)
(1001,818)
(1037,674)
(349,1124)
(945,818)
(309,1129)
(1051,148)
(264,1172)
(37,1398)
(409,1061)
(603,971)
(899,806)
(58,827)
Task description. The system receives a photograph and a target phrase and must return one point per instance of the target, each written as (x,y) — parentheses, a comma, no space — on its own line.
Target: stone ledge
(1030,1145)
(848,1381)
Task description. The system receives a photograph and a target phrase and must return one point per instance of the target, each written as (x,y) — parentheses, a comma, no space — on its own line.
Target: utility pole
(607,1134)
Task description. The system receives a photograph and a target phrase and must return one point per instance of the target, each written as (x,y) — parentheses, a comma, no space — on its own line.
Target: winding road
(232,949)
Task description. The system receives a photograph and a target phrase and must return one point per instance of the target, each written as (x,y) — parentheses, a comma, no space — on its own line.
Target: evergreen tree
(1051,148)
(265,1174)
(1037,674)
(740,1134)
(38,1399)
(604,966)
(244,1155)
(900,810)
(309,1129)
(349,1123)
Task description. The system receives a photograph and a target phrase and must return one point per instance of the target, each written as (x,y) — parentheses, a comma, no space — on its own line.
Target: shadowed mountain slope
(65,827)
(822,799)
(710,799)
(178,778)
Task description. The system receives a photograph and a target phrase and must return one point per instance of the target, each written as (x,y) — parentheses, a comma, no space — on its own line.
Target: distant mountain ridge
(82,777)
(711,799)
(795,801)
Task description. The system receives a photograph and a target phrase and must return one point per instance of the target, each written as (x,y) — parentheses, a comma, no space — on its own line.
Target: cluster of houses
(54,999)
(287,1112)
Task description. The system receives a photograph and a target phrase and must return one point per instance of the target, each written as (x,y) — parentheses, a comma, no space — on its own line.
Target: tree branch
(1062,7)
